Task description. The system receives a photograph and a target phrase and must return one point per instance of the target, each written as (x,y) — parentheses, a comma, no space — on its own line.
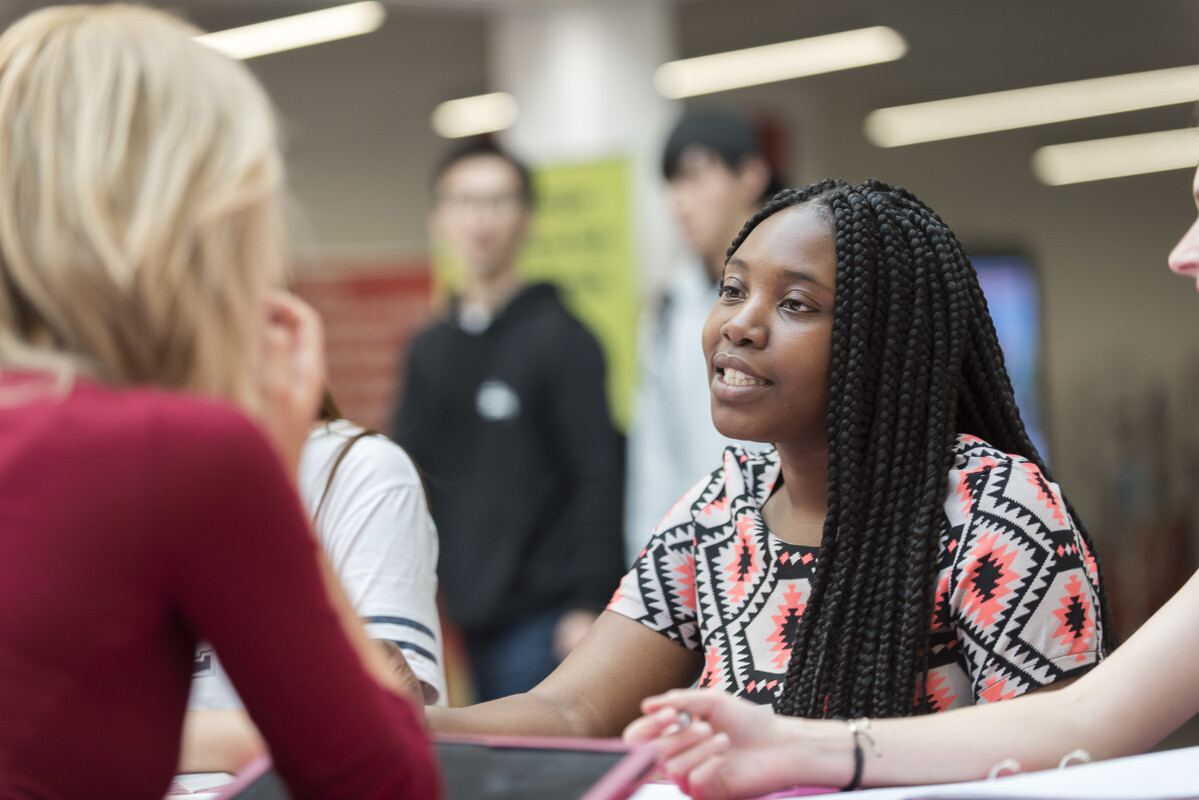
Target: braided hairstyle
(915,361)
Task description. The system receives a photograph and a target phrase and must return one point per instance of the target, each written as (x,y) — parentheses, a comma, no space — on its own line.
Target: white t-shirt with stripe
(376,531)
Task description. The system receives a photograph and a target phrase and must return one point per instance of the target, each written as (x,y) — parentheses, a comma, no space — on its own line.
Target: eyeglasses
(503,202)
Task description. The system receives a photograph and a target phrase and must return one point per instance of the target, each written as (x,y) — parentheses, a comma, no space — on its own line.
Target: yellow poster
(582,242)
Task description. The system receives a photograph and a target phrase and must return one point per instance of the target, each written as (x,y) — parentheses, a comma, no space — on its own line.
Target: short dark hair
(482,147)
(730,136)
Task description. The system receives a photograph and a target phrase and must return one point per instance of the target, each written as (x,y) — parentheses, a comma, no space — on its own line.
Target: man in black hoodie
(504,408)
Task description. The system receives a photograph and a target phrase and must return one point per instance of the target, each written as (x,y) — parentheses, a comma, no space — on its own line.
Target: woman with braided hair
(1135,698)
(901,549)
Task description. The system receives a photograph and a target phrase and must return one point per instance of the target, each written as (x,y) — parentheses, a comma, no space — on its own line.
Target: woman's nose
(746,326)
(1184,258)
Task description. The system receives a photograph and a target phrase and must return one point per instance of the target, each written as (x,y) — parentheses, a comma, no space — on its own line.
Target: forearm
(596,691)
(1128,703)
(218,741)
(531,714)
(1036,731)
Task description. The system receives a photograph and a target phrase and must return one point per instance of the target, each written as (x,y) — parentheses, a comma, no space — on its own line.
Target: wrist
(824,751)
(861,738)
(858,757)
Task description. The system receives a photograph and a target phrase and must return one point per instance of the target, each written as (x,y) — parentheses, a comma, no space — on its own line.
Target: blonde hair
(140,202)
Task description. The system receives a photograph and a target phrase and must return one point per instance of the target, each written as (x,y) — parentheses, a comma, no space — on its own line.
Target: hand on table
(731,749)
(403,671)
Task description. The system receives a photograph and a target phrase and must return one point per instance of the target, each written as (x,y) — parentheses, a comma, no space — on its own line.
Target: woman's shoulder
(187,452)
(140,450)
(986,478)
(972,453)
(978,460)
(370,456)
(166,417)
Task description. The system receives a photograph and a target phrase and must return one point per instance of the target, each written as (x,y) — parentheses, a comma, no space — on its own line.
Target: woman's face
(1184,258)
(767,341)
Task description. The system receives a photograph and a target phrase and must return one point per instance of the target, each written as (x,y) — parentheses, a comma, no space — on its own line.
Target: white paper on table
(198,785)
(1168,775)
(657,791)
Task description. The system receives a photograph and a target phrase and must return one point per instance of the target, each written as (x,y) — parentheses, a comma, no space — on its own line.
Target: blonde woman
(140,508)
(1128,703)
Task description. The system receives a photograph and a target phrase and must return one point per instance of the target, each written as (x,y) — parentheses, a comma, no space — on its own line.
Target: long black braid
(915,362)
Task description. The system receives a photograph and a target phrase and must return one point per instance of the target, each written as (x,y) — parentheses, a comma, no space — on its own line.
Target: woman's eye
(728,291)
(794,304)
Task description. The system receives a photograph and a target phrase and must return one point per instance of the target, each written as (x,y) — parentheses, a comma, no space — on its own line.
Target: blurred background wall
(1120,348)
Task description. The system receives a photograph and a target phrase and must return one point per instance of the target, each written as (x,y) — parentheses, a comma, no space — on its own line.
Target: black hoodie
(511,428)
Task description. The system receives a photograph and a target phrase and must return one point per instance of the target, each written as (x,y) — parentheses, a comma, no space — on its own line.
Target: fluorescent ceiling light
(301,30)
(1036,105)
(469,116)
(778,62)
(1117,157)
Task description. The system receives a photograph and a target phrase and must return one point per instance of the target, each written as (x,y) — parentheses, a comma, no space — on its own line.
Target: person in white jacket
(718,174)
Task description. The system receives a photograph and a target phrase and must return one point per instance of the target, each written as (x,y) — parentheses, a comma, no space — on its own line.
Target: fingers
(694,746)
(699,703)
(296,325)
(721,754)
(674,739)
(406,678)
(706,781)
(651,726)
(662,711)
(291,376)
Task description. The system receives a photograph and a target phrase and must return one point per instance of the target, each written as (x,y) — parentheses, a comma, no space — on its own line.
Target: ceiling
(956,47)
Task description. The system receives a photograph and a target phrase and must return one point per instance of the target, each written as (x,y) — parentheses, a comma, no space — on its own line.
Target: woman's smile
(732,377)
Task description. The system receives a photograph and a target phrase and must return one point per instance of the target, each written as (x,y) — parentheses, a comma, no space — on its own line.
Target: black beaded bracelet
(859,761)
(858,728)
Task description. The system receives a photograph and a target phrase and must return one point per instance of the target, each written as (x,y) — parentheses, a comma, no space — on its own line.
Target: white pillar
(582,77)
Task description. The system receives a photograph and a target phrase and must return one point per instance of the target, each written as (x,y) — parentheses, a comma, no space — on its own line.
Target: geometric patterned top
(1016,604)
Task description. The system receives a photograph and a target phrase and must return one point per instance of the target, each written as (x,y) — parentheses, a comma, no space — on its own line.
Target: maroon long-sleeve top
(133,523)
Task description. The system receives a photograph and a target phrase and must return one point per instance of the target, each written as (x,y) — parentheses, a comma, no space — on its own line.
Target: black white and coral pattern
(1016,604)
